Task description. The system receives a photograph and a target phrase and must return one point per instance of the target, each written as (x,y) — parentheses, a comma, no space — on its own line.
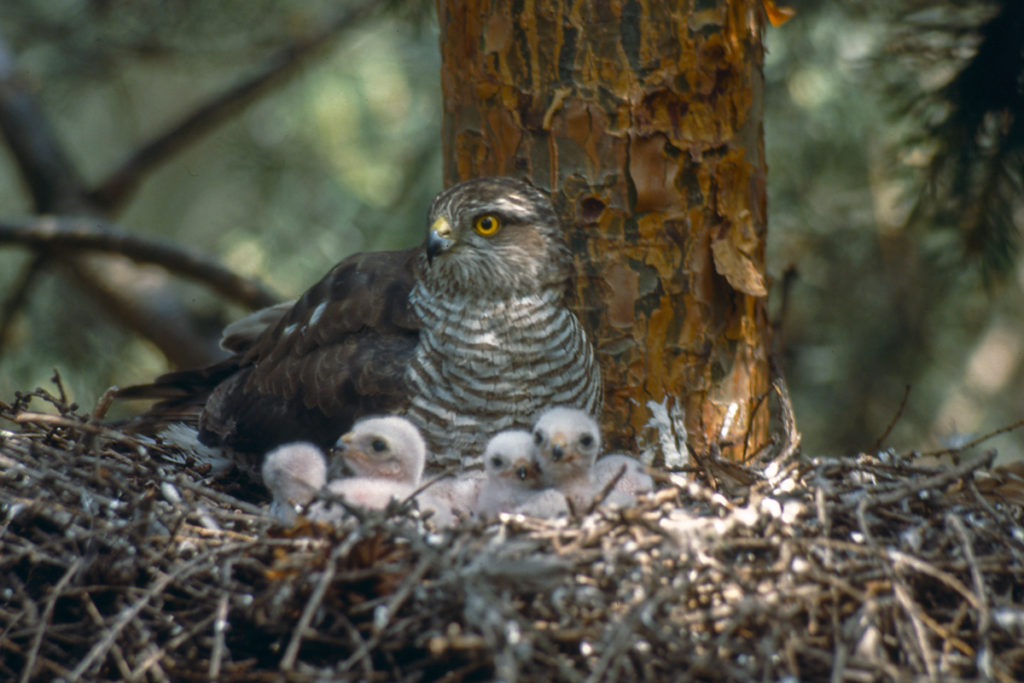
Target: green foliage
(341,159)
(875,173)
(961,96)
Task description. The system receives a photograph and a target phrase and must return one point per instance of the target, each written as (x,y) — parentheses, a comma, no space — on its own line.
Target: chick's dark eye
(378,445)
(497,462)
(538,438)
(587,440)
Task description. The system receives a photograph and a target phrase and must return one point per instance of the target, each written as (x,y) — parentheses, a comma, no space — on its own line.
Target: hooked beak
(342,449)
(343,442)
(526,470)
(440,238)
(557,447)
(353,457)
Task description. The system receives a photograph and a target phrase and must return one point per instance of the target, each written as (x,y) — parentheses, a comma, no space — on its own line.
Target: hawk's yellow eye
(487,225)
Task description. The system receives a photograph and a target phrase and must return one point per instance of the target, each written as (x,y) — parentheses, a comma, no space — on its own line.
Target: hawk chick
(387,455)
(293,473)
(513,478)
(567,443)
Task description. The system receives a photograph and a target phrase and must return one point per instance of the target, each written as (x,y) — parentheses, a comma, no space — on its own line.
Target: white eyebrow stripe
(512,204)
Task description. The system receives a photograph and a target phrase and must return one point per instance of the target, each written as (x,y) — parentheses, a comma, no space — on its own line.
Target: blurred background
(895,142)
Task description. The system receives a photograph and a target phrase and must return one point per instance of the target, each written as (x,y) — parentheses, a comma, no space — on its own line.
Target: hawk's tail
(180,396)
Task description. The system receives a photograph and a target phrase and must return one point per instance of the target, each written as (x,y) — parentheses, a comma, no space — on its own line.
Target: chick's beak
(558,444)
(440,238)
(525,470)
(343,443)
(350,454)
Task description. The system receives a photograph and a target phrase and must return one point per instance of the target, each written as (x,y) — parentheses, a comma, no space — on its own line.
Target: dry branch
(48,172)
(52,233)
(58,188)
(117,188)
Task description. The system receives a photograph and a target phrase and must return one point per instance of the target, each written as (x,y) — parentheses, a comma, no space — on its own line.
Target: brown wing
(242,334)
(340,352)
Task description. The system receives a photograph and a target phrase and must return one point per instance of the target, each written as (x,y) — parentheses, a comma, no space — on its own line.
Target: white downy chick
(294,473)
(387,455)
(567,442)
(513,479)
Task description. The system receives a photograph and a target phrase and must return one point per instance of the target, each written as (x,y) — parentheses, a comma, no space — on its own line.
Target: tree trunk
(644,120)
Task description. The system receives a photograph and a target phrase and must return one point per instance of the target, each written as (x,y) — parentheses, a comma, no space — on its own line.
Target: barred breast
(485,366)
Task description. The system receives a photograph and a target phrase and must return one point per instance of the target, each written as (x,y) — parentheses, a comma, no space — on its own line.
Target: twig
(218,496)
(900,591)
(792,442)
(66,233)
(317,596)
(979,440)
(357,638)
(984,615)
(62,403)
(923,567)
(606,490)
(157,654)
(917,619)
(750,424)
(934,481)
(427,484)
(97,618)
(103,403)
(127,615)
(390,608)
(877,445)
(220,624)
(44,619)
(86,427)
(1015,535)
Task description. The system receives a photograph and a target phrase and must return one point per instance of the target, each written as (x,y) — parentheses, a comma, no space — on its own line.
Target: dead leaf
(737,268)
(778,15)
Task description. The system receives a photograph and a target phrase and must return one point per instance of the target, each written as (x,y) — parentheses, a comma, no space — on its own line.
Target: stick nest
(119,559)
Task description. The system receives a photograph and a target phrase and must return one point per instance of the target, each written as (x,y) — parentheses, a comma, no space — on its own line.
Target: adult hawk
(466,335)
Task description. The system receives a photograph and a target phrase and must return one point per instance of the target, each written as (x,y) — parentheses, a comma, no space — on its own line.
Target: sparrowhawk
(467,335)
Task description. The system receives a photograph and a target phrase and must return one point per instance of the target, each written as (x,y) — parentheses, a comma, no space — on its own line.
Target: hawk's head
(495,237)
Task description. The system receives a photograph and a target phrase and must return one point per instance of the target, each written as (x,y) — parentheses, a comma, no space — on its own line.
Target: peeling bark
(644,120)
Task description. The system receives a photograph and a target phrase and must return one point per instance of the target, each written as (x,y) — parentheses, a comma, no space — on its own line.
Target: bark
(644,120)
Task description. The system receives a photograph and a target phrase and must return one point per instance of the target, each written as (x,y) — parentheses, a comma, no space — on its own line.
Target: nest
(120,560)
